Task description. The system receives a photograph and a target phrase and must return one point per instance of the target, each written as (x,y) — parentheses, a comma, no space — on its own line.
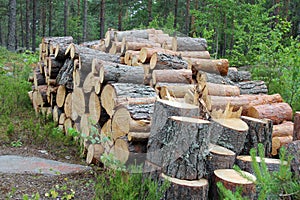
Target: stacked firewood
(150,98)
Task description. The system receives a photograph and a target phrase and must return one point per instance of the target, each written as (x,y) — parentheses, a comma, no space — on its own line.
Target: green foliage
(280,184)
(35,196)
(228,194)
(61,192)
(118,184)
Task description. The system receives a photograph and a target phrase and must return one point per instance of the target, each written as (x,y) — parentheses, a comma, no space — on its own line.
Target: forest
(263,34)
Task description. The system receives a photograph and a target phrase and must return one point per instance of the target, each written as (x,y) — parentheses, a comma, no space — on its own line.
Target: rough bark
(185,189)
(203,77)
(296,134)
(212,66)
(172,76)
(277,112)
(189,44)
(260,131)
(253,87)
(236,75)
(160,61)
(293,148)
(278,142)
(11,38)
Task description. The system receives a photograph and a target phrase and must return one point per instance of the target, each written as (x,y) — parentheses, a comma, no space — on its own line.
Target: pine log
(160,38)
(119,35)
(212,66)
(189,55)
(68,123)
(146,53)
(236,75)
(277,112)
(62,119)
(89,83)
(252,87)
(231,179)
(219,158)
(138,136)
(115,48)
(54,67)
(203,77)
(186,189)
(278,142)
(160,61)
(222,90)
(85,125)
(245,163)
(60,96)
(38,77)
(65,74)
(94,153)
(181,147)
(286,128)
(293,148)
(229,133)
(60,52)
(128,56)
(137,46)
(56,112)
(68,110)
(113,72)
(139,125)
(244,101)
(172,76)
(57,40)
(188,44)
(296,134)
(177,90)
(78,101)
(112,93)
(260,131)
(109,37)
(94,108)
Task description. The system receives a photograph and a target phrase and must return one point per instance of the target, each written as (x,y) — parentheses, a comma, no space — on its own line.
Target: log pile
(160,100)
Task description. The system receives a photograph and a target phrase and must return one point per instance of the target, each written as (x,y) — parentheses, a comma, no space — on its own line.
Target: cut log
(128,56)
(78,101)
(296,134)
(94,108)
(244,101)
(181,147)
(185,189)
(260,131)
(293,148)
(277,112)
(278,142)
(62,119)
(194,54)
(38,77)
(112,93)
(54,67)
(236,75)
(177,90)
(172,76)
(219,158)
(89,83)
(113,72)
(203,77)
(68,109)
(65,74)
(85,125)
(109,37)
(120,150)
(56,112)
(188,44)
(160,38)
(229,133)
(119,35)
(60,96)
(115,48)
(67,125)
(60,52)
(137,46)
(253,87)
(57,40)
(146,53)
(94,153)
(284,129)
(139,126)
(212,66)
(138,136)
(245,163)
(160,61)
(231,179)
(221,90)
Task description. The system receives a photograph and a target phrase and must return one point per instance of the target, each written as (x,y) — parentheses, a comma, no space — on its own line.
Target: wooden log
(161,61)
(89,83)
(54,67)
(172,76)
(296,132)
(137,46)
(139,126)
(212,66)
(181,147)
(186,189)
(219,158)
(231,179)
(119,35)
(68,123)
(229,133)
(38,77)
(277,112)
(65,74)
(245,163)
(85,125)
(160,38)
(203,77)
(188,44)
(60,96)
(122,92)
(278,142)
(60,52)
(146,53)
(56,112)
(293,148)
(138,136)
(78,101)
(253,87)
(260,131)
(286,128)
(194,54)
(176,90)
(222,90)
(94,153)
(236,75)
(109,37)
(244,101)
(57,40)
(113,72)
(94,108)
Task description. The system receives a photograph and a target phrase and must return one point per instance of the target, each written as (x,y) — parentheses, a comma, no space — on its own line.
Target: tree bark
(212,66)
(185,189)
(11,38)
(253,87)
(164,61)
(33,47)
(66,14)
(296,134)
(236,75)
(27,34)
(102,18)
(189,44)
(277,112)
(293,148)
(286,128)
(85,13)
(50,17)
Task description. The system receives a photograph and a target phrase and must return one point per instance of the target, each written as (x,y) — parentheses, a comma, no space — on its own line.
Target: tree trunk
(34,25)
(172,76)
(277,112)
(284,129)
(221,90)
(66,14)
(176,90)
(296,134)
(102,18)
(50,17)
(260,131)
(187,18)
(21,25)
(162,61)
(27,34)
(175,14)
(212,66)
(11,39)
(236,75)
(185,189)
(85,13)
(231,179)
(120,15)
(189,44)
(149,8)
(293,149)
(230,133)
(253,87)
